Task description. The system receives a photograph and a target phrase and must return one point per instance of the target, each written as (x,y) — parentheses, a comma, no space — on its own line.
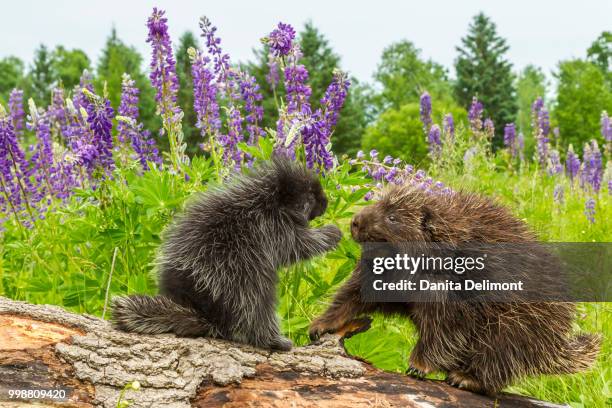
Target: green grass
(66,258)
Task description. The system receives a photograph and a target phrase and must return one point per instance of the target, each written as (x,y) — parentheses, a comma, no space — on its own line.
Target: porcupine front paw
(332,235)
(415,372)
(417,368)
(321,326)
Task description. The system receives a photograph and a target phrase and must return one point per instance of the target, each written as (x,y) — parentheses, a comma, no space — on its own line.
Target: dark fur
(218,261)
(481,346)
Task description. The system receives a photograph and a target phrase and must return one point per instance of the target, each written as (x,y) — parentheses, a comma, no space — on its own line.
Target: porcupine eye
(392,219)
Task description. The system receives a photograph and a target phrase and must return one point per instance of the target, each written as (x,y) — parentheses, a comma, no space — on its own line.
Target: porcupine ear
(288,181)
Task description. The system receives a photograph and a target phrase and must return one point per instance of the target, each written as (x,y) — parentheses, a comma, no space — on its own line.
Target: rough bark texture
(46,347)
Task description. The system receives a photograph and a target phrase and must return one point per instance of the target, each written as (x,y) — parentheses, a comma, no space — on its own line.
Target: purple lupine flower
(79,100)
(228,84)
(231,153)
(425,111)
(205,102)
(537,105)
(449,125)
(434,141)
(554,163)
(360,154)
(57,112)
(14,172)
(298,105)
(298,91)
(334,98)
(373,154)
(572,163)
(606,127)
(130,130)
(510,138)
(145,147)
(281,39)
(99,118)
(128,107)
(296,118)
(16,111)
(589,210)
(391,175)
(542,148)
(544,122)
(475,115)
(53,177)
(489,127)
(388,159)
(221,65)
(541,125)
(163,67)
(272,76)
(79,136)
(559,194)
(316,139)
(251,95)
(317,135)
(592,170)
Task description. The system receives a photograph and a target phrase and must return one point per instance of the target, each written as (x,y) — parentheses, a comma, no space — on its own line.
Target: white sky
(539,32)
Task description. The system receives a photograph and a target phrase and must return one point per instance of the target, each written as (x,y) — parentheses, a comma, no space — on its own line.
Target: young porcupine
(480,346)
(218,261)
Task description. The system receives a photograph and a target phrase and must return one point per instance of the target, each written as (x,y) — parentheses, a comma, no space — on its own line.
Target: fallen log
(65,359)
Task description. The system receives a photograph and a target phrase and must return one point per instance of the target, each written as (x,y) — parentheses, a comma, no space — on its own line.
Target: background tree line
(384,113)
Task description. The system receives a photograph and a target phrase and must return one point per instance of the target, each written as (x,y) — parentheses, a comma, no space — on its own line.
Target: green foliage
(191,134)
(483,71)
(530,85)
(67,66)
(399,133)
(404,76)
(320,60)
(582,93)
(11,76)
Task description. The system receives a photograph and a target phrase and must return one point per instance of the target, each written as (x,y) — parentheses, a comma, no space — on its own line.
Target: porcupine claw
(415,372)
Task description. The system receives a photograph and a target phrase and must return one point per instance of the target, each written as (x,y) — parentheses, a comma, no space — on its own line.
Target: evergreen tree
(320,60)
(483,71)
(41,76)
(191,134)
(118,58)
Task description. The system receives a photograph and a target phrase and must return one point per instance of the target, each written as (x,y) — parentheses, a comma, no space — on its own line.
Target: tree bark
(45,347)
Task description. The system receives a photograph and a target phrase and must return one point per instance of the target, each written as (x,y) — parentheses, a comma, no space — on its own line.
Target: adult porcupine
(481,346)
(218,261)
